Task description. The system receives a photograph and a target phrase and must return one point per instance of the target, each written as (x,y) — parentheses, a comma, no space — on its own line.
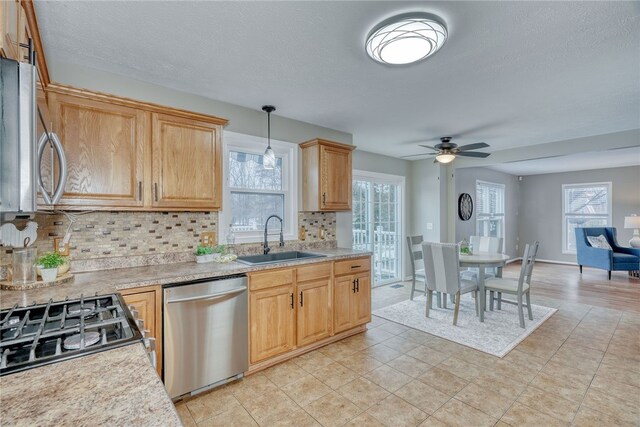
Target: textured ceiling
(573,162)
(511,73)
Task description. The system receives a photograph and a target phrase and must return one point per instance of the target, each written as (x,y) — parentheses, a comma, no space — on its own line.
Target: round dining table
(481,261)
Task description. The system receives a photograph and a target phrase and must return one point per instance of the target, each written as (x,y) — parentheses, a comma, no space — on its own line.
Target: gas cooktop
(41,334)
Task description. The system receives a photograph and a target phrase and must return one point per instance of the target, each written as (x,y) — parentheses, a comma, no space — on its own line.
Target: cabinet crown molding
(326,142)
(133,103)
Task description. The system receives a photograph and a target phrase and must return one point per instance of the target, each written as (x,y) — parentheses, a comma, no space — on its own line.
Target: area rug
(498,335)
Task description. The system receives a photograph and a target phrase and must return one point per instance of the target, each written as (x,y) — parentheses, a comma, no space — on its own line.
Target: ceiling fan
(447,151)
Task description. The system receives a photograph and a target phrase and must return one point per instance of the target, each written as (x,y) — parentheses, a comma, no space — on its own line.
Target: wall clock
(465,206)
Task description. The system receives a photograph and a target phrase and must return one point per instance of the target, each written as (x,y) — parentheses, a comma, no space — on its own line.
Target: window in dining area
(490,209)
(584,205)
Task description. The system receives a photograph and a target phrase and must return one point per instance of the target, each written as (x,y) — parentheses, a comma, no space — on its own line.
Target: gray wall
(541,206)
(428,193)
(249,121)
(465,182)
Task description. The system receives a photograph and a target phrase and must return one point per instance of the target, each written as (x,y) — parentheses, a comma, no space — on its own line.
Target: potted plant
(204,254)
(48,264)
(218,251)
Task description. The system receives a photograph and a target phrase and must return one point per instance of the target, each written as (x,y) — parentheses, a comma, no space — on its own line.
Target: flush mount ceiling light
(269,158)
(406,38)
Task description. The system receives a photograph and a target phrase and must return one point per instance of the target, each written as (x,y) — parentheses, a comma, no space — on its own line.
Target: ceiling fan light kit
(406,38)
(445,158)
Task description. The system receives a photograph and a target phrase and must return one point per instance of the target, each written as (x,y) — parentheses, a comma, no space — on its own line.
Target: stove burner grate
(74,342)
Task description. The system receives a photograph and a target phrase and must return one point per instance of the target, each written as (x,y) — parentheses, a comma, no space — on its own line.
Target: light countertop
(117,387)
(109,281)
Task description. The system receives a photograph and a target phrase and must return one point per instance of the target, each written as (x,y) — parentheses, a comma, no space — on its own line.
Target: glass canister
(24,266)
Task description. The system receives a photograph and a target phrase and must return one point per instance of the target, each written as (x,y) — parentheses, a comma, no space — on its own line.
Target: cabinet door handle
(292,300)
(155,190)
(354,286)
(357,285)
(140,190)
(324,199)
(301,299)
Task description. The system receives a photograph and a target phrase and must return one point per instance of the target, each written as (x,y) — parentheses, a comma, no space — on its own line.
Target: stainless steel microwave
(25,137)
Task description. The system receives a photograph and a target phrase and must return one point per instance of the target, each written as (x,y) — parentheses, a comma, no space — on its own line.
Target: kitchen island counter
(116,387)
(109,281)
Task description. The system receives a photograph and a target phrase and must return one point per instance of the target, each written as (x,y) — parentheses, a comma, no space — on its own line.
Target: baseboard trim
(551,261)
(514,260)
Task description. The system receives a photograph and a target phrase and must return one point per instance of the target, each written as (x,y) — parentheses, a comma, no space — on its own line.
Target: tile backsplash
(122,239)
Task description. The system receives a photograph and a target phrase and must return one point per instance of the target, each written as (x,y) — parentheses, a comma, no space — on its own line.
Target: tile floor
(581,367)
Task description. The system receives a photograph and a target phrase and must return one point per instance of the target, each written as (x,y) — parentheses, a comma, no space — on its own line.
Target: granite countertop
(109,281)
(117,387)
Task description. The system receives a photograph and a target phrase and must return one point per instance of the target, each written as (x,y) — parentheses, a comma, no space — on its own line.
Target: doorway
(377,222)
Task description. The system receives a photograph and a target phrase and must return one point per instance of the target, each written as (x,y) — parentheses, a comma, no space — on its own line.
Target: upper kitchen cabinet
(187,169)
(326,181)
(130,155)
(104,146)
(18,24)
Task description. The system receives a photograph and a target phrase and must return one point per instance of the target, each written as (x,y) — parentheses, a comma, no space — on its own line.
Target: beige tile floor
(581,367)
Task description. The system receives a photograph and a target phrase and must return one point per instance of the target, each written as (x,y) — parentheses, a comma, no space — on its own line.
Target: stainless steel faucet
(265,246)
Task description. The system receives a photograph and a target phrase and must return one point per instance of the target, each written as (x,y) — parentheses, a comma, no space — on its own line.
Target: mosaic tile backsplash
(126,239)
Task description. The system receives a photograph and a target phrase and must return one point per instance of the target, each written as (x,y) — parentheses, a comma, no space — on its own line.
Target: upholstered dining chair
(442,271)
(520,288)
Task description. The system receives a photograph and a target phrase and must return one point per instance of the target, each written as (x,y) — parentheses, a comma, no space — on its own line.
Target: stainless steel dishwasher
(205,334)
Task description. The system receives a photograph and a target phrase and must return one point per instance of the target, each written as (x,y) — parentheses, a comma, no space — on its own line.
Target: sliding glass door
(377,223)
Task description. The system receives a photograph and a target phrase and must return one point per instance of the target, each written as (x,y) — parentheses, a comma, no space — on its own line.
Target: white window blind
(584,205)
(490,211)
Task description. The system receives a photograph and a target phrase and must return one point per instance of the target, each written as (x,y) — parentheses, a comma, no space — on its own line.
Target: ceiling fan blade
(473,146)
(473,154)
(416,155)
(429,147)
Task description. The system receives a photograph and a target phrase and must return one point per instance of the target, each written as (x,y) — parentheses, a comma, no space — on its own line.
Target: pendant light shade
(269,158)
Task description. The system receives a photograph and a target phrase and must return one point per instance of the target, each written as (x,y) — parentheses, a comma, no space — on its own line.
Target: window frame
(233,141)
(502,215)
(609,214)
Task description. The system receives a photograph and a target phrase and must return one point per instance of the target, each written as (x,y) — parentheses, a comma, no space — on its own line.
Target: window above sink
(252,193)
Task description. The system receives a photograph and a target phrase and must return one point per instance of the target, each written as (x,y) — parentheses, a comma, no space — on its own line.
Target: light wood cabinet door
(361,299)
(186,163)
(272,318)
(104,145)
(12,29)
(314,311)
(342,303)
(147,305)
(335,178)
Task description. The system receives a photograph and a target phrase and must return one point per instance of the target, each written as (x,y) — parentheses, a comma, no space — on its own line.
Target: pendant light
(269,158)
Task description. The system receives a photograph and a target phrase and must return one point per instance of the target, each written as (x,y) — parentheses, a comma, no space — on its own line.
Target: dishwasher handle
(209,296)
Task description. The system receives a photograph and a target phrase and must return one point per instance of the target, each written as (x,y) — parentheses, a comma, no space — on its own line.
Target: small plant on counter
(48,264)
(204,254)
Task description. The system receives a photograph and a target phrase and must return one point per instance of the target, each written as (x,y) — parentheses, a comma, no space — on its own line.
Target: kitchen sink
(276,257)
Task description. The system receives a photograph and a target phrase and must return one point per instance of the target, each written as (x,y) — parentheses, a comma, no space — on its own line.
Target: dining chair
(520,288)
(415,255)
(442,271)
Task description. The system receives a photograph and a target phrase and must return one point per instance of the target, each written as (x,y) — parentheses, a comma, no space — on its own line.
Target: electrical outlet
(59,247)
(208,238)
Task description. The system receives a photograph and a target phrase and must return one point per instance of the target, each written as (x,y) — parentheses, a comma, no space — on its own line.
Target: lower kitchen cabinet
(314,311)
(352,296)
(272,318)
(147,301)
(291,308)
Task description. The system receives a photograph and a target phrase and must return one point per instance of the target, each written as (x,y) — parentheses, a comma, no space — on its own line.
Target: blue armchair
(617,259)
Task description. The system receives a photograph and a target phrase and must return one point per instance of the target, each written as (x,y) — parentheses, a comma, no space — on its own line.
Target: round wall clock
(465,206)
